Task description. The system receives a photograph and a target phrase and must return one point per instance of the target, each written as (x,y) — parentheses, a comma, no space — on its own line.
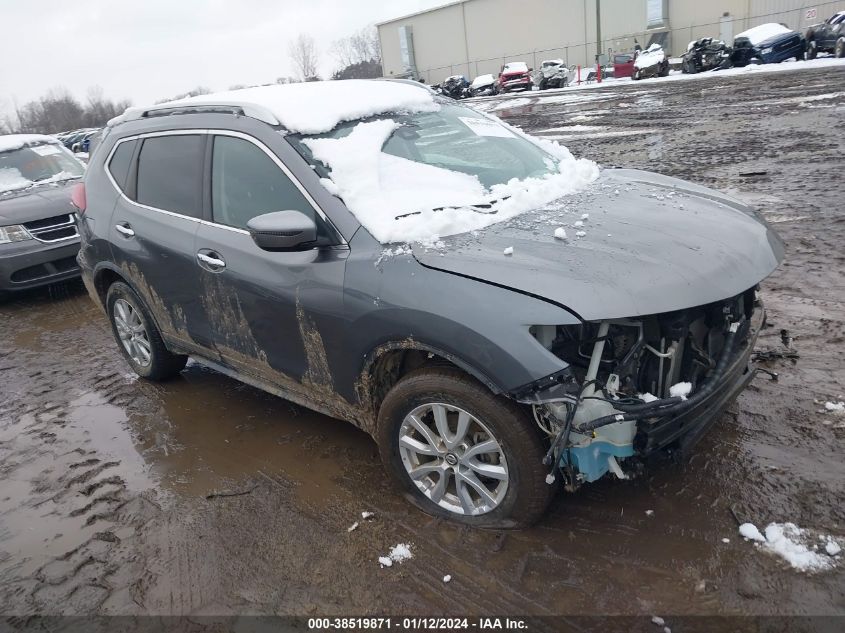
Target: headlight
(766,51)
(13,233)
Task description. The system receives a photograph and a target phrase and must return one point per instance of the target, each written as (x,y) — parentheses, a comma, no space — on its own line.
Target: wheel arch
(388,363)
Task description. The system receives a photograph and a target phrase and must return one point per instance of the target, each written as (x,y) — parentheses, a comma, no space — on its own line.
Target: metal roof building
(475,37)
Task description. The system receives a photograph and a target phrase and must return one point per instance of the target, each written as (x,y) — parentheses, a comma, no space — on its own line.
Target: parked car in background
(482,86)
(652,62)
(767,44)
(827,37)
(209,233)
(73,137)
(84,142)
(456,87)
(623,65)
(706,54)
(38,233)
(514,76)
(552,73)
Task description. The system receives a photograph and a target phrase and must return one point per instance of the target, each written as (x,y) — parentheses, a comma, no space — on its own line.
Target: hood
(36,203)
(651,244)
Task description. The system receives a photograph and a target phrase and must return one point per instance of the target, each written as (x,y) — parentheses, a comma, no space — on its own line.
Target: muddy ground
(205,496)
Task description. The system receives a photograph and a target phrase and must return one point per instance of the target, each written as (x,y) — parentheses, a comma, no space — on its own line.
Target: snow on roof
(482,80)
(515,67)
(312,107)
(763,32)
(16,141)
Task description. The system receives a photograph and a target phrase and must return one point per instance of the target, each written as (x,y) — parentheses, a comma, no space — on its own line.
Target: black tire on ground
(664,70)
(163,363)
(527,496)
(543,84)
(839,51)
(812,49)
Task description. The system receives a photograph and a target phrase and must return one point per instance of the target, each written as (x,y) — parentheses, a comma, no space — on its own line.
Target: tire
(812,49)
(839,50)
(664,70)
(129,317)
(517,500)
(637,75)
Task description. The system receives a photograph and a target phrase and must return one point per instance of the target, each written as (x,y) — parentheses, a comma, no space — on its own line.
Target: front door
(273,315)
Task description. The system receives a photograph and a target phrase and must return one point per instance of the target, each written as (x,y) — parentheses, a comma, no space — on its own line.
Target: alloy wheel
(132,333)
(453,459)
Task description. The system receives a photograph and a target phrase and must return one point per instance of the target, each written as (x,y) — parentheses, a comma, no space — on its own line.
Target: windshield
(413,177)
(454,138)
(37,164)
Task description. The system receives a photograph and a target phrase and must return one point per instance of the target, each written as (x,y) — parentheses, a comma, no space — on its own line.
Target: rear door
(274,315)
(153,229)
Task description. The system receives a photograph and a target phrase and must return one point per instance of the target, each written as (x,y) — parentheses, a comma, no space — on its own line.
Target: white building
(474,37)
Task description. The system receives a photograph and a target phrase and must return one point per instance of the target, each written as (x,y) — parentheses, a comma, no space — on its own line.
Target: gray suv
(490,366)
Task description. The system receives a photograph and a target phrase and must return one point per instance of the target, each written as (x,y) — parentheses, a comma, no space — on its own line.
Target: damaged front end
(641,385)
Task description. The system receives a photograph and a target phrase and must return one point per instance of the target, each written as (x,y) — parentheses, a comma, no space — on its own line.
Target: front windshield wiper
(481,207)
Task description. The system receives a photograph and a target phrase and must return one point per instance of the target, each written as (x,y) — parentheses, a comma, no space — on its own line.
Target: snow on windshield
(33,162)
(763,32)
(11,178)
(402,200)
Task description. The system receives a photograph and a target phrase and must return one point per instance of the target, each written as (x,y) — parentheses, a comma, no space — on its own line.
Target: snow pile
(763,32)
(647,397)
(791,543)
(837,408)
(680,390)
(315,107)
(508,250)
(394,198)
(560,233)
(399,554)
(750,532)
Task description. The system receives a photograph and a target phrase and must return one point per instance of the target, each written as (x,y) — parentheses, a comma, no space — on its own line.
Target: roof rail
(225,106)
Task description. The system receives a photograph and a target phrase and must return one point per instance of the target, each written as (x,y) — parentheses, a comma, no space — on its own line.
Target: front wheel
(138,337)
(461,452)
(812,49)
(839,51)
(637,75)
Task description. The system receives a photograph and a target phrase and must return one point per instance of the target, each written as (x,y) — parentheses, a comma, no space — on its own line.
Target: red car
(623,65)
(514,76)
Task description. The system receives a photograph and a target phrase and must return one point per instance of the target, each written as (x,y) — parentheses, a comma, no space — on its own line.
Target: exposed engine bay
(631,377)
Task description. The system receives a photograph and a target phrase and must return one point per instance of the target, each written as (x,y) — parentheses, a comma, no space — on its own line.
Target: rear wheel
(812,49)
(138,337)
(462,453)
(839,50)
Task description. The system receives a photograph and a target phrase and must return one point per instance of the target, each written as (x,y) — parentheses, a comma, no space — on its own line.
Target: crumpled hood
(651,244)
(36,203)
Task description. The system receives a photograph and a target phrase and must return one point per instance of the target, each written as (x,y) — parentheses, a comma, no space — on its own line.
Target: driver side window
(246,182)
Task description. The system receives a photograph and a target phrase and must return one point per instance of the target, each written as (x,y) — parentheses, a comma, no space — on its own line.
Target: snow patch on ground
(794,545)
(399,554)
(647,397)
(837,408)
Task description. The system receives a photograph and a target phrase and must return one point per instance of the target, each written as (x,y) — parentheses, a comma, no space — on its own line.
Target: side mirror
(282,231)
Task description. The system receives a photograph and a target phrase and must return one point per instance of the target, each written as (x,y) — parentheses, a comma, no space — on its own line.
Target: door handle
(214,262)
(124,229)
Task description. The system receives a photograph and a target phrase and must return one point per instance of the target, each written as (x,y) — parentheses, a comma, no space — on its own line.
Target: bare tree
(59,111)
(303,53)
(358,55)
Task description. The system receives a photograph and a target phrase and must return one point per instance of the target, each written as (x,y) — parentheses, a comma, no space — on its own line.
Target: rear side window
(119,163)
(245,182)
(170,173)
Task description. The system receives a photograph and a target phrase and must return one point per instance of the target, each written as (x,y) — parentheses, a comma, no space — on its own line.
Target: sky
(147,50)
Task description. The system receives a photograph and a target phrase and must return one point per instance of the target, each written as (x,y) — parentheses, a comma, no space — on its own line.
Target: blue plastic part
(591,460)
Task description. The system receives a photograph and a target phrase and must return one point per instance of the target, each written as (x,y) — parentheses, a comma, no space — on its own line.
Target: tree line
(357,56)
